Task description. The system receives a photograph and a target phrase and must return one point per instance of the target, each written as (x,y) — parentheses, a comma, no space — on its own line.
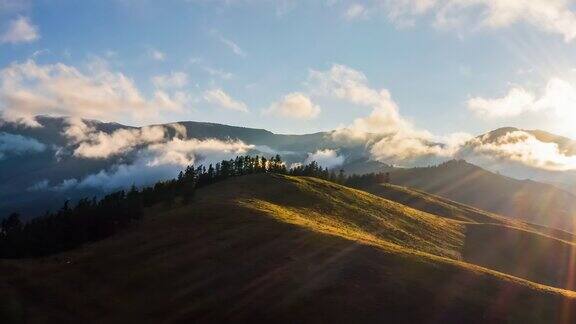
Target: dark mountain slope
(435,204)
(466,183)
(274,248)
(534,252)
(19,174)
(444,207)
(363,165)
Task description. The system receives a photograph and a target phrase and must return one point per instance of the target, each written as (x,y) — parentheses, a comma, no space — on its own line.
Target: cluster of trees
(313,169)
(360,181)
(69,227)
(91,219)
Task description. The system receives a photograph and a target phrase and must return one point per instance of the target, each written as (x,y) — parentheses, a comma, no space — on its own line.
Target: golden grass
(357,215)
(366,218)
(282,249)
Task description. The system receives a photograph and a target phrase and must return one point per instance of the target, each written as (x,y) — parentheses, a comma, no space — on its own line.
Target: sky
(439,67)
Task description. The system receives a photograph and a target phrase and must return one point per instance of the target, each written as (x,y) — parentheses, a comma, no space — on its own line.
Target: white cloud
(294,105)
(350,85)
(325,158)
(557,99)
(18,144)
(157,55)
(160,161)
(403,148)
(516,102)
(94,144)
(389,137)
(355,11)
(295,165)
(39,53)
(518,147)
(211,70)
(77,130)
(123,176)
(173,80)
(29,89)
(554,16)
(392,139)
(220,98)
(219,73)
(39,186)
(186,152)
(235,48)
(20,30)
(101,145)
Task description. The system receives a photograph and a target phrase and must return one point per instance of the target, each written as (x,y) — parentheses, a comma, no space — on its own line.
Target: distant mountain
(364,165)
(521,199)
(273,248)
(566,145)
(38,180)
(30,182)
(509,164)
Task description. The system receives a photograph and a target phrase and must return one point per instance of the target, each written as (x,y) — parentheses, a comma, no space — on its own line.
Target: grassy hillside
(434,204)
(263,248)
(522,249)
(447,208)
(466,183)
(326,207)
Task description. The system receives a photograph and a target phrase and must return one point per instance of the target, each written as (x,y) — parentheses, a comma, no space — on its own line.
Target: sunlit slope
(327,207)
(468,184)
(525,250)
(434,204)
(447,208)
(282,249)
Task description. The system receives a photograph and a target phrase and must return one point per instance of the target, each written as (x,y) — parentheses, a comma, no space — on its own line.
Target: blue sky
(238,62)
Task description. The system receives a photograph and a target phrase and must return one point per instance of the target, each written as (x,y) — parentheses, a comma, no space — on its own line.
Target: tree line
(93,219)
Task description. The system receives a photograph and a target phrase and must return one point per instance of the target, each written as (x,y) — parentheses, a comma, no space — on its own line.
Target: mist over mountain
(525,154)
(69,158)
(77,158)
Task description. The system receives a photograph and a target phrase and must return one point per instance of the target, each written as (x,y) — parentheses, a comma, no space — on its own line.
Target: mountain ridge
(20,175)
(287,258)
(466,183)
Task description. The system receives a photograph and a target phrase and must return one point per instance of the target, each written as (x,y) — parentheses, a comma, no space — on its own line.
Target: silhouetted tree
(91,219)
(341,177)
(11,224)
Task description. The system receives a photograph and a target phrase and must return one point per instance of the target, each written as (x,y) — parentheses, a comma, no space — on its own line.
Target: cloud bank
(517,147)
(159,161)
(557,97)
(220,98)
(552,16)
(20,30)
(326,158)
(29,89)
(18,145)
(389,136)
(295,106)
(174,80)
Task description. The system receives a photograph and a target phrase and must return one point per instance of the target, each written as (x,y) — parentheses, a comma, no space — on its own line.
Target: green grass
(353,214)
(525,250)
(282,249)
(447,208)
